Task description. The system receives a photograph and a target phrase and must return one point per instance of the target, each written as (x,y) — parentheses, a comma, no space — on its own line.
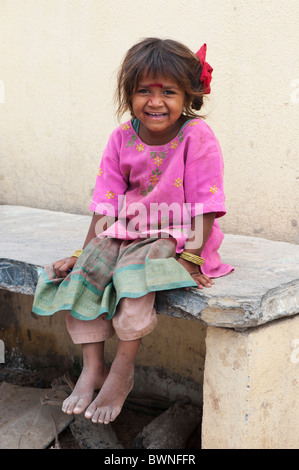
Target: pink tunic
(155,190)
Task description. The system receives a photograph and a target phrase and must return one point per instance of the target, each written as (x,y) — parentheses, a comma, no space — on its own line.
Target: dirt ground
(127,425)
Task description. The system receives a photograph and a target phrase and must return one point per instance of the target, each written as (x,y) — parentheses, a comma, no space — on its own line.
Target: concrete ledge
(263,287)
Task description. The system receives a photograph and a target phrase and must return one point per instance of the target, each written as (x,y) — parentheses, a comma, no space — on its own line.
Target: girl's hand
(62,266)
(194,270)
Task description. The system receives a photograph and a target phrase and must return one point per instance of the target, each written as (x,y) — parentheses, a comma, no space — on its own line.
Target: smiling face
(158,104)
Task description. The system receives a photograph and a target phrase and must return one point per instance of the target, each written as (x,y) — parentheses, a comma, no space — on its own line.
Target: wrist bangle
(192,258)
(77,253)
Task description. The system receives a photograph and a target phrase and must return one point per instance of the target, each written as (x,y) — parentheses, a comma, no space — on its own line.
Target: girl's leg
(108,404)
(92,377)
(92,335)
(133,319)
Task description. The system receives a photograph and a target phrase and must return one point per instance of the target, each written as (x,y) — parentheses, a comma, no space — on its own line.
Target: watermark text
(156,220)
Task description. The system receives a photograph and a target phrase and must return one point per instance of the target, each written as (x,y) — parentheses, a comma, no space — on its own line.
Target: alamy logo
(137,220)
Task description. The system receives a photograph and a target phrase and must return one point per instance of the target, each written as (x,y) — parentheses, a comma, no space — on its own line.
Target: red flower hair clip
(206,73)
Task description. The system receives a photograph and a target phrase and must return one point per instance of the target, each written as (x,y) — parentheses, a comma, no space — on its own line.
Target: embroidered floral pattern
(125,127)
(100,172)
(213,189)
(130,143)
(158,161)
(154,179)
(140,147)
(175,143)
(181,136)
(160,154)
(110,195)
(193,123)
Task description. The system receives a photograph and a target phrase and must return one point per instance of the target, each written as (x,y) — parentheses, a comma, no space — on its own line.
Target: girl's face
(158,104)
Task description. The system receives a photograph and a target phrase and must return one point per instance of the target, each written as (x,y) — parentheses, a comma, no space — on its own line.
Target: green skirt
(108,270)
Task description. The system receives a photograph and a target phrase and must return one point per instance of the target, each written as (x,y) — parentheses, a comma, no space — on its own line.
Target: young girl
(160,175)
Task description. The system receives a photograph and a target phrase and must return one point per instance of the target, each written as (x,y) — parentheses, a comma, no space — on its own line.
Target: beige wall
(58,62)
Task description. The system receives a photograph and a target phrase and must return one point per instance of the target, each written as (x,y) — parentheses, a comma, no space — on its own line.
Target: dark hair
(160,57)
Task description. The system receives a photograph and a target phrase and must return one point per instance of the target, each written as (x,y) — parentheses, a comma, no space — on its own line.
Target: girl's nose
(155,100)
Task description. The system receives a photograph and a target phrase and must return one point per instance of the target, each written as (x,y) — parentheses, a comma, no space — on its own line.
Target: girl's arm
(94,227)
(97,225)
(207,223)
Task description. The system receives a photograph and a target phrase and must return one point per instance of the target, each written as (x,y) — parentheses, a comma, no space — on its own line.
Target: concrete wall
(58,64)
(251,387)
(175,349)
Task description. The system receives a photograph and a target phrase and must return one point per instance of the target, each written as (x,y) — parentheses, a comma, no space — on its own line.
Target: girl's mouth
(156,115)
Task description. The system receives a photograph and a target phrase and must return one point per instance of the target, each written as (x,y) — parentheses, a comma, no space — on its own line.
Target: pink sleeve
(110,183)
(204,173)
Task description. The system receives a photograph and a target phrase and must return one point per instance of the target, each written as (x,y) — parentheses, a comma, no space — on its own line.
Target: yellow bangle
(192,258)
(77,253)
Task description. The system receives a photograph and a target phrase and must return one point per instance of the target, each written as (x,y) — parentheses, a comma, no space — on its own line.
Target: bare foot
(108,403)
(90,380)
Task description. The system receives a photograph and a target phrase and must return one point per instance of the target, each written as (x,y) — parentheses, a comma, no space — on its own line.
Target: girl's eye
(145,91)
